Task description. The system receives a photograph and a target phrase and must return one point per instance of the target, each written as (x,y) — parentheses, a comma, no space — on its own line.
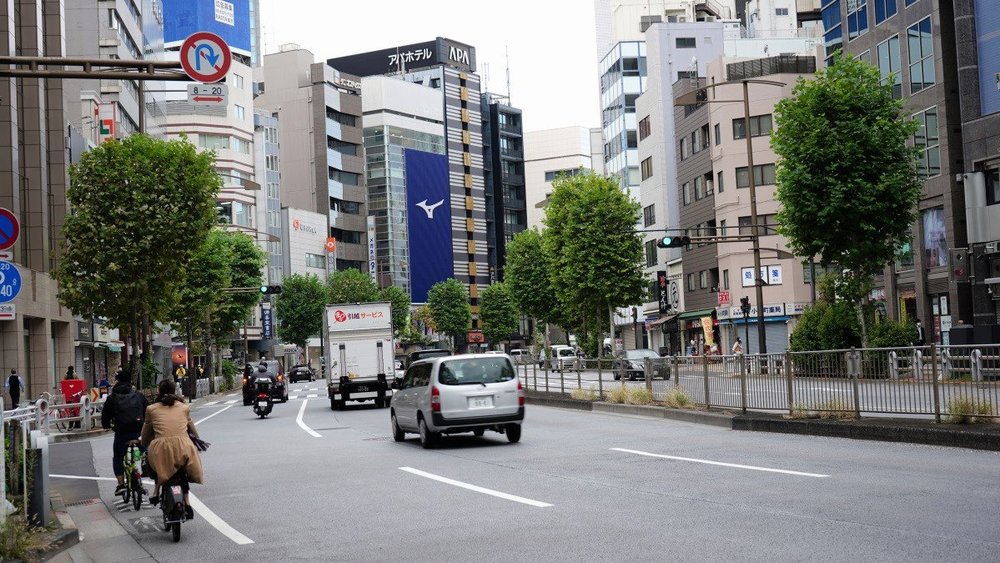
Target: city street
(309,483)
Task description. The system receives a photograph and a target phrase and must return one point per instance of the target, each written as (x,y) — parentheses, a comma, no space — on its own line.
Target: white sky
(551,43)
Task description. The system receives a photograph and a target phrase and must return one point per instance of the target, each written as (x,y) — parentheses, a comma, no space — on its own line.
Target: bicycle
(133,461)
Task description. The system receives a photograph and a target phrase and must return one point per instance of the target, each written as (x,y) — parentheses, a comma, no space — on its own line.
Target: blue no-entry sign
(10,228)
(10,281)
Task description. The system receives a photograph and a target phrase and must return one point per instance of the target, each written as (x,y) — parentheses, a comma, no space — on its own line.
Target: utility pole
(758,281)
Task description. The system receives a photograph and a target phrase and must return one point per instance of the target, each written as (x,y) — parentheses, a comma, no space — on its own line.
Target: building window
(935,243)
(345,206)
(722,228)
(760,125)
(690,282)
(241,146)
(343,147)
(551,175)
(684,148)
(241,112)
(650,253)
(725,279)
(857,18)
(238,81)
(686,191)
(866,56)
(347,178)
(242,213)
(649,215)
(213,142)
(718,135)
(686,43)
(647,167)
(699,188)
(745,225)
(833,36)
(920,44)
(884,9)
(315,261)
(718,182)
(644,128)
(781,11)
(341,117)
(703,279)
(926,139)
(993,186)
(888,64)
(911,2)
(763,175)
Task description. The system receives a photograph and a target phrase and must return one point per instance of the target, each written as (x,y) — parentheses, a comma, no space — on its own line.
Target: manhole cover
(86,502)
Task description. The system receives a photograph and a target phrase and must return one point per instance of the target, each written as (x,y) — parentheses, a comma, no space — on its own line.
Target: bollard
(85,410)
(934,384)
(788,379)
(600,381)
(579,378)
(704,363)
(648,372)
(977,365)
(854,382)
(743,389)
(893,366)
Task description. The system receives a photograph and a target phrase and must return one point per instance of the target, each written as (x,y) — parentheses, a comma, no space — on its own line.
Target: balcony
(512,128)
(513,179)
(785,64)
(516,154)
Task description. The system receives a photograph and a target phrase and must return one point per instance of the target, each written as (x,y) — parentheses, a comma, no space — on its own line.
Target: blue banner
(266,328)
(428,213)
(229,19)
(988,39)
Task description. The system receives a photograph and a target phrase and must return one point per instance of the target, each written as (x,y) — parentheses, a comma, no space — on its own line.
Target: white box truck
(360,350)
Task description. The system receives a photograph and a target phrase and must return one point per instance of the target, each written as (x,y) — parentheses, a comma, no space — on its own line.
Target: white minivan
(452,394)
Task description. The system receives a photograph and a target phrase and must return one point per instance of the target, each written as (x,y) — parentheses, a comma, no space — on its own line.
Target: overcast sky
(550,43)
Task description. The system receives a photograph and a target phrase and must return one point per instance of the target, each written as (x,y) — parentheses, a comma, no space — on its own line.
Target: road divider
(719,463)
(475,488)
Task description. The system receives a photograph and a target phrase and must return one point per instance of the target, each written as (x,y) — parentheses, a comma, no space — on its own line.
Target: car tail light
(435,400)
(520,394)
(244,380)
(261,395)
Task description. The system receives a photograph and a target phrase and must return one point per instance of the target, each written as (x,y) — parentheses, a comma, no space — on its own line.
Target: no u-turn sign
(205,57)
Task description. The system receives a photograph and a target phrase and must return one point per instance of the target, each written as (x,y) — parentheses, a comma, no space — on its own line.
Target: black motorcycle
(262,401)
(175,510)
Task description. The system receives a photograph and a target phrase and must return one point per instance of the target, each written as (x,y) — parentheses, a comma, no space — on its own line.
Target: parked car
(279,391)
(521,356)
(453,394)
(422,354)
(301,372)
(632,364)
(560,357)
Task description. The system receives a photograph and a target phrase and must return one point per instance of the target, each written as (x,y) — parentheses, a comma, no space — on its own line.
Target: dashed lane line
(233,402)
(719,463)
(476,488)
(216,413)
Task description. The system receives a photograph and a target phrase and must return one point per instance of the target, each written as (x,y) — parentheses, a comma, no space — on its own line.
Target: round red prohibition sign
(205,57)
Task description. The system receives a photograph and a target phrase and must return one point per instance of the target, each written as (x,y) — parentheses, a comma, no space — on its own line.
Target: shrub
(617,394)
(150,374)
(677,399)
(968,411)
(229,372)
(826,326)
(890,334)
(639,396)
(584,395)
(835,409)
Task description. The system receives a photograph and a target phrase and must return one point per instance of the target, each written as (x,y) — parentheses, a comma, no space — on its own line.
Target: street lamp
(700,96)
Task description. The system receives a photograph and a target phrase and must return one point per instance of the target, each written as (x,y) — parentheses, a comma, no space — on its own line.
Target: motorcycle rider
(124,411)
(167,433)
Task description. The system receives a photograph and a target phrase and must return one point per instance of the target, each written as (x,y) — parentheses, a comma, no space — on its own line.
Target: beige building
(552,152)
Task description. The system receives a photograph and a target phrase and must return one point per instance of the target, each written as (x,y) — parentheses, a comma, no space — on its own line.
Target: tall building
(913,43)
(267,170)
(977,34)
(36,332)
(236,21)
(503,176)
(551,153)
(321,151)
(450,225)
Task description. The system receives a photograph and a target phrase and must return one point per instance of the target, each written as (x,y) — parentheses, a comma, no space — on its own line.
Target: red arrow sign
(207,99)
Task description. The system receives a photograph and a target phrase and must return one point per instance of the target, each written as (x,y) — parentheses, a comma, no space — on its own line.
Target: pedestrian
(13,386)
(691,347)
(103,386)
(69,373)
(124,412)
(921,336)
(738,347)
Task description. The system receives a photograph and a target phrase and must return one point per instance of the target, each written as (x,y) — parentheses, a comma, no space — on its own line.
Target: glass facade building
(623,79)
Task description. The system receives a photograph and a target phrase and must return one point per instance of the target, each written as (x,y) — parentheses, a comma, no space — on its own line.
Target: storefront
(83,350)
(668,339)
(776,324)
(700,328)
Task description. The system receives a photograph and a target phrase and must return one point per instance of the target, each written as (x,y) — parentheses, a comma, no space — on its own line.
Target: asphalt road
(579,486)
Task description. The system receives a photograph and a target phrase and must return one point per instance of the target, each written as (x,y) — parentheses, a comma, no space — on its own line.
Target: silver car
(452,394)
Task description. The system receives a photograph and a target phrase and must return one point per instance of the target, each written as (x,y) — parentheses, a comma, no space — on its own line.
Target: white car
(453,394)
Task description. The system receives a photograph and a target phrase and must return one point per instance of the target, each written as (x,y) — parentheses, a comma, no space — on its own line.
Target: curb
(724,420)
(74,436)
(63,538)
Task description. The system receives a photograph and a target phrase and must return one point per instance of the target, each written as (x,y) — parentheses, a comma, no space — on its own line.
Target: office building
(268,201)
(551,153)
(503,177)
(236,21)
(442,164)
(320,150)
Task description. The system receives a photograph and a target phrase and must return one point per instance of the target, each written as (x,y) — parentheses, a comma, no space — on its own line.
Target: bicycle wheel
(137,490)
(175,529)
(56,418)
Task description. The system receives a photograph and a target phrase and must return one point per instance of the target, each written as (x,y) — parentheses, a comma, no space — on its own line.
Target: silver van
(452,394)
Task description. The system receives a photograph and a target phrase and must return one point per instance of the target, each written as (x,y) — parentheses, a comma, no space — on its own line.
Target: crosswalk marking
(231,402)
(210,403)
(312,396)
(290,397)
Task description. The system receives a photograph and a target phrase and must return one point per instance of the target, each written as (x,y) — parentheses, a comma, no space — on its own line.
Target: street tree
(846,179)
(526,274)
(202,282)
(400,301)
(498,312)
(593,252)
(352,286)
(141,208)
(300,308)
(448,302)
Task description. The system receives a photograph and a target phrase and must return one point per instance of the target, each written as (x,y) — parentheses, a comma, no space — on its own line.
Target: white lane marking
(312,396)
(209,516)
(477,489)
(708,462)
(290,397)
(220,411)
(302,425)
(216,522)
(231,402)
(210,403)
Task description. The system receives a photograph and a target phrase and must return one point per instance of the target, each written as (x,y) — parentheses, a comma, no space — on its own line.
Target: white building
(303,243)
(553,152)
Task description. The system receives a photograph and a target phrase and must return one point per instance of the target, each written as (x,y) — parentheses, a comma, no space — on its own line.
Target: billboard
(988,41)
(428,213)
(229,19)
(408,57)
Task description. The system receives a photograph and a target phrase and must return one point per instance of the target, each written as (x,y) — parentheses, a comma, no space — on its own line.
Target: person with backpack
(124,411)
(13,385)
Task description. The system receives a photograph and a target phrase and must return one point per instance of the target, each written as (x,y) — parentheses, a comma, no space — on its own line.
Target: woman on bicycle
(165,433)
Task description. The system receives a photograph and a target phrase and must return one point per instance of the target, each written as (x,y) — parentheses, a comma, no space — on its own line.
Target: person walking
(13,386)
(69,373)
(125,412)
(738,347)
(169,433)
(921,338)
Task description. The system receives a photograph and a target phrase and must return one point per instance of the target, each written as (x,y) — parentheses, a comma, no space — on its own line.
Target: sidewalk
(102,538)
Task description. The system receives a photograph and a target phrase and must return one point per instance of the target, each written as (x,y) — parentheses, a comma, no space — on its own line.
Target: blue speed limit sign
(10,281)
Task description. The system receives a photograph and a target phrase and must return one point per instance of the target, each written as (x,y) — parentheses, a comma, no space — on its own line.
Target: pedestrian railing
(938,381)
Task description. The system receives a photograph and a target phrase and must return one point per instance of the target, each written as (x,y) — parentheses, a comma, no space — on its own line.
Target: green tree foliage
(891,334)
(846,178)
(526,274)
(246,269)
(400,301)
(826,326)
(448,302)
(300,307)
(352,286)
(202,282)
(498,312)
(140,209)
(593,253)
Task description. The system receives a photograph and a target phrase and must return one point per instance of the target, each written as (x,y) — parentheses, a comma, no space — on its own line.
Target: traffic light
(673,242)
(960,264)
(745,305)
(270,289)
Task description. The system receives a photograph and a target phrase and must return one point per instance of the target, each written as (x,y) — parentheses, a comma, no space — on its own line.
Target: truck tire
(336,404)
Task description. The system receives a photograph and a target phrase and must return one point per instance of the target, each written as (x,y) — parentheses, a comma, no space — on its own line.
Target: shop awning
(696,314)
(662,320)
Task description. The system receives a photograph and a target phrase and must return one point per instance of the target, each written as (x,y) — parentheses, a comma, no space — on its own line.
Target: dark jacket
(111,405)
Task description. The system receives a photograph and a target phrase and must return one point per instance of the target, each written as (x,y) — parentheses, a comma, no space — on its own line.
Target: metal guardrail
(938,381)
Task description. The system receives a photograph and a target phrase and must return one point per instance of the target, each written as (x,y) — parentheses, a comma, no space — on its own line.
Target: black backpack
(129,412)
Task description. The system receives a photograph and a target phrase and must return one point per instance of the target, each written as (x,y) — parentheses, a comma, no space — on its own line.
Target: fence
(923,381)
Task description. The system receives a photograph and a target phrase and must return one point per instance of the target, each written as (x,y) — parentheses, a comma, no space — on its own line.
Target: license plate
(362,388)
(175,489)
(261,403)
(481,402)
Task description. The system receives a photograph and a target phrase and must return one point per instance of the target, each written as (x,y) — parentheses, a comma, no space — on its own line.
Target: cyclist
(167,433)
(124,410)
